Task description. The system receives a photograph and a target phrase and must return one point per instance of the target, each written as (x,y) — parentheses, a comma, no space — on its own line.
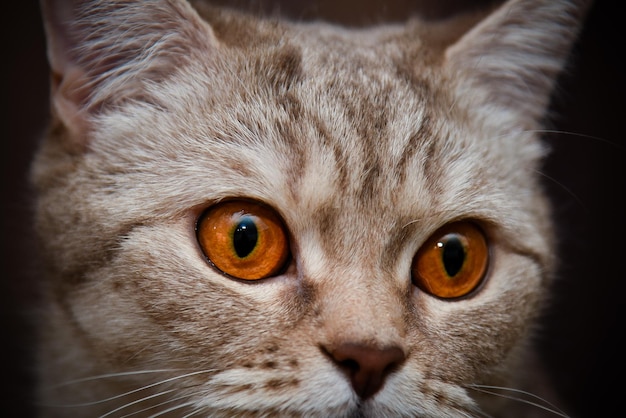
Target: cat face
(246,217)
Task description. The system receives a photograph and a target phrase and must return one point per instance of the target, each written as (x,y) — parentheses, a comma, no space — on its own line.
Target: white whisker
(174,408)
(192,413)
(111,375)
(178,398)
(578,134)
(550,408)
(562,186)
(565,133)
(132,391)
(484,414)
(127,405)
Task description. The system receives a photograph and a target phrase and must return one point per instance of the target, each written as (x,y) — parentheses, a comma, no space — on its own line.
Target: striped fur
(364,141)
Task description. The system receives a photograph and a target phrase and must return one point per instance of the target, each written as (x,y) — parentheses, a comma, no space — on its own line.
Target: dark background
(585,175)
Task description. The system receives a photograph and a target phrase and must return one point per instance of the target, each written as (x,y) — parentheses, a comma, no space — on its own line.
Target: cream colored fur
(364,141)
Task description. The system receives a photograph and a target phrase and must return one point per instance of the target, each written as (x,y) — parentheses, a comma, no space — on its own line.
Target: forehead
(335,135)
(357,122)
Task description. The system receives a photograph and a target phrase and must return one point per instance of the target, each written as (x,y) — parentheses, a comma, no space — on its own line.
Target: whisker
(520,391)
(565,188)
(192,413)
(130,392)
(127,405)
(110,375)
(550,408)
(135,355)
(178,398)
(484,414)
(567,133)
(580,135)
(174,408)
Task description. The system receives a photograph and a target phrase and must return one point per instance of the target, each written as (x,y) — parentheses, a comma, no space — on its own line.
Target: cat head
(273,217)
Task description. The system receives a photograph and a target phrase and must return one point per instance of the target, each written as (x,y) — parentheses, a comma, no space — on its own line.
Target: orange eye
(452,262)
(243,239)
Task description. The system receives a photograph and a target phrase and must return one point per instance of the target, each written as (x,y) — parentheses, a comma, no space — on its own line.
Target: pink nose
(367,367)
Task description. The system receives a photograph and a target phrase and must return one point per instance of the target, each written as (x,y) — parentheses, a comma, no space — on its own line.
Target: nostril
(350,365)
(366,366)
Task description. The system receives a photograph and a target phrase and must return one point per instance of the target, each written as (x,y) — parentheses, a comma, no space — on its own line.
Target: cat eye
(243,239)
(453,262)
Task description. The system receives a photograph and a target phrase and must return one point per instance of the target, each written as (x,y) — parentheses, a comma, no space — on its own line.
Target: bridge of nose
(363,332)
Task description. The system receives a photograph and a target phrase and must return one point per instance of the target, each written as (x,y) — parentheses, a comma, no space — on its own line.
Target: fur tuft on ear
(516,53)
(103,53)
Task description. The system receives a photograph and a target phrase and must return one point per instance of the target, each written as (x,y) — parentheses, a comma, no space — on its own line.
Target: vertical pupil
(245,237)
(453,254)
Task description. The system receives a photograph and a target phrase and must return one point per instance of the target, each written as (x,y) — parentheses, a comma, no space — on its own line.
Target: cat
(248,216)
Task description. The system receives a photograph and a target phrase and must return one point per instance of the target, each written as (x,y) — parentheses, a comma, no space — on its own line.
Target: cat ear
(513,57)
(104,53)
